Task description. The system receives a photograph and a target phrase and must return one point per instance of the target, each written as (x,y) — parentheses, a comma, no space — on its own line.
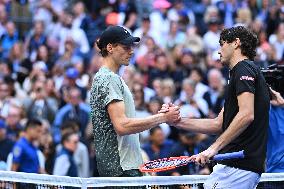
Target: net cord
(9,176)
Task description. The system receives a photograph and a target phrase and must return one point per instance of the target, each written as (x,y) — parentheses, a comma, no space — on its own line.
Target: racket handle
(231,155)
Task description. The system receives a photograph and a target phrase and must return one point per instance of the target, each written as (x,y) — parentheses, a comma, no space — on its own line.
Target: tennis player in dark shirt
(243,121)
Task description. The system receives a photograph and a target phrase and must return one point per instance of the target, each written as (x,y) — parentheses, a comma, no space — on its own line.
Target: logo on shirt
(245,77)
(17,151)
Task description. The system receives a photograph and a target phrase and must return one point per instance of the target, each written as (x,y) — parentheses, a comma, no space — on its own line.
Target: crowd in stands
(48,58)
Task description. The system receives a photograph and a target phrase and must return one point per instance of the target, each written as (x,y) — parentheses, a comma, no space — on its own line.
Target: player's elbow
(217,126)
(248,117)
(120,131)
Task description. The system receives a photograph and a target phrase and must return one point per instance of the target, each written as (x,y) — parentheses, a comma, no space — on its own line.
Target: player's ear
(109,48)
(237,43)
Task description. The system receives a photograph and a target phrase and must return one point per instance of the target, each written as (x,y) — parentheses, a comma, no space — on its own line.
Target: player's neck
(236,58)
(110,64)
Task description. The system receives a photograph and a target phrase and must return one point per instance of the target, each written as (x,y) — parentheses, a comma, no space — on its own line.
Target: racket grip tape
(231,155)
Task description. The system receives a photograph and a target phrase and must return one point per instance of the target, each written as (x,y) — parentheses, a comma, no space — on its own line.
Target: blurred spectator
(169,90)
(70,78)
(14,126)
(25,155)
(174,37)
(274,162)
(92,24)
(211,37)
(6,145)
(75,34)
(36,39)
(81,154)
(186,146)
(64,163)
(20,12)
(277,42)
(3,19)
(159,19)
(215,94)
(158,146)
(75,110)
(20,65)
(8,39)
(39,105)
(47,147)
(145,29)
(43,54)
(129,11)
(194,41)
(194,107)
(244,17)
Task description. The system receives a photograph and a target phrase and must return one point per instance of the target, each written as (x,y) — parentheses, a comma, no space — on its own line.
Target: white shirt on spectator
(79,37)
(211,41)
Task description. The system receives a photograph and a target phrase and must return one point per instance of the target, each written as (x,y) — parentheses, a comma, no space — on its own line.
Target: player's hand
(204,157)
(277,99)
(172,115)
(165,107)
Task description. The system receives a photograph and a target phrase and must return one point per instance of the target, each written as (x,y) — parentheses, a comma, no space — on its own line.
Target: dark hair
(33,123)
(69,125)
(152,130)
(248,40)
(66,136)
(103,49)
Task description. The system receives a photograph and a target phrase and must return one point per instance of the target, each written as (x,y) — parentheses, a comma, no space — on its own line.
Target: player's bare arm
(207,126)
(240,122)
(125,126)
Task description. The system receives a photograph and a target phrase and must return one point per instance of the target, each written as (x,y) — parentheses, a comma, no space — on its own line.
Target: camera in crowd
(274,76)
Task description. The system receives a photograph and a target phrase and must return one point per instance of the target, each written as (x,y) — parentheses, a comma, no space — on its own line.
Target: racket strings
(166,163)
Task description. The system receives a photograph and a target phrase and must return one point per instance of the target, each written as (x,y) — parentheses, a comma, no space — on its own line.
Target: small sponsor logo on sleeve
(245,77)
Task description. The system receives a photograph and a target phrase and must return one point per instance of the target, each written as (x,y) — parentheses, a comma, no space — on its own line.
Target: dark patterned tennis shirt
(114,153)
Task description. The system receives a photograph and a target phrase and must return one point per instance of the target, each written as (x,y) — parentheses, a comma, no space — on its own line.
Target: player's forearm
(206,126)
(237,126)
(136,125)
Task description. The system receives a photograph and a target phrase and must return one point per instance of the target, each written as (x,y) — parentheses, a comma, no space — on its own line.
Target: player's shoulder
(246,66)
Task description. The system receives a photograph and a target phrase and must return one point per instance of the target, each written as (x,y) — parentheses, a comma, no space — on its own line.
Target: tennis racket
(174,162)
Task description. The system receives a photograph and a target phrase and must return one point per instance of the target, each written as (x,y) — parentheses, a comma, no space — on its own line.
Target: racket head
(164,164)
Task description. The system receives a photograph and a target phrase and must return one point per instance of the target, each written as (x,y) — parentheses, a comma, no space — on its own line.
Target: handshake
(171,113)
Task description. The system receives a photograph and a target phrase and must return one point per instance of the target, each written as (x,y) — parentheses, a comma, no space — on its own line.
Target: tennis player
(115,129)
(243,122)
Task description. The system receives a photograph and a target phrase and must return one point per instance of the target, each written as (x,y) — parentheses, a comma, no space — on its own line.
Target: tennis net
(15,180)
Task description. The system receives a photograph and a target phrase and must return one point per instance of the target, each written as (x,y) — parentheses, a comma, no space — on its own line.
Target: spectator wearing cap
(70,80)
(6,145)
(75,110)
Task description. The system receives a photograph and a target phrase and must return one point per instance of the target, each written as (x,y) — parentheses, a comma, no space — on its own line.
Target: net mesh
(12,180)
